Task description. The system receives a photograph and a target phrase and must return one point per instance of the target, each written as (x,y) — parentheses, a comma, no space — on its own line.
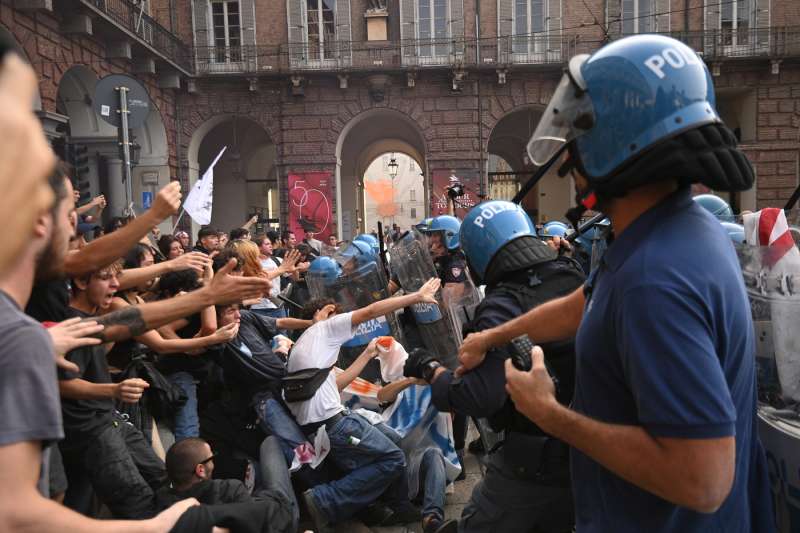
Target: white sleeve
(339,329)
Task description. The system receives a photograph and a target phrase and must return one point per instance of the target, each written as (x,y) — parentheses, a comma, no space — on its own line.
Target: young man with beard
(30,413)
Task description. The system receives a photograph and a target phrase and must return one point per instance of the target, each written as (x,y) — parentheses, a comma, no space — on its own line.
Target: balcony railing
(776,42)
(130,17)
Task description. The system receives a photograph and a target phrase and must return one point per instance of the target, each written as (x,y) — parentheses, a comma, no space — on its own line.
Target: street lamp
(393,167)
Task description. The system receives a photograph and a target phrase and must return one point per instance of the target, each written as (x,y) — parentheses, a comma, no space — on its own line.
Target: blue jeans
(433,476)
(276,420)
(275,488)
(372,463)
(187,422)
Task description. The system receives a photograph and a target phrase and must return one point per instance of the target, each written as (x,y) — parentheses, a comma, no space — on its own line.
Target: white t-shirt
(268,265)
(319,347)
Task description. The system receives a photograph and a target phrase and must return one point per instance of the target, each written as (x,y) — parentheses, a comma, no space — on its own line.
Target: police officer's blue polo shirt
(667,343)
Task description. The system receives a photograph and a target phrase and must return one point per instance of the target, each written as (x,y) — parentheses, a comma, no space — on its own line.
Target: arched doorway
(103,171)
(245,178)
(510,168)
(362,142)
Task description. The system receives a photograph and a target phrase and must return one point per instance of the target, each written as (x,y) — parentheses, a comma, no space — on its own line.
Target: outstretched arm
(345,378)
(426,294)
(108,248)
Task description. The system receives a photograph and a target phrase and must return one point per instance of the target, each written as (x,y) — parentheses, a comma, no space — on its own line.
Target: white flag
(200,199)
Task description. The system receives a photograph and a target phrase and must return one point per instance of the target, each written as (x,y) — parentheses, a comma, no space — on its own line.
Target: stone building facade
(305,94)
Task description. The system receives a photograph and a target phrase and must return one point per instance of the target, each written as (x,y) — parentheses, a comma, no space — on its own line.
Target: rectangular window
(735,22)
(321,28)
(227,28)
(413,213)
(433,27)
(638,16)
(412,195)
(529,26)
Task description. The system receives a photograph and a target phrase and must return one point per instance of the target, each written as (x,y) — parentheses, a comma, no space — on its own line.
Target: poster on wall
(311,204)
(443,179)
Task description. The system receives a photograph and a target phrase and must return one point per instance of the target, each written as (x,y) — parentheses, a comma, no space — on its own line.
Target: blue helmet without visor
(490,226)
(371,240)
(326,268)
(450,227)
(424,223)
(716,206)
(554,228)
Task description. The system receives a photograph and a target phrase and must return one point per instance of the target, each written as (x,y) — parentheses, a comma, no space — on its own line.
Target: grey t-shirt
(30,409)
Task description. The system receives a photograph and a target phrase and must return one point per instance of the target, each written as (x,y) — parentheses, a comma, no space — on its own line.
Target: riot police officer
(662,427)
(526,487)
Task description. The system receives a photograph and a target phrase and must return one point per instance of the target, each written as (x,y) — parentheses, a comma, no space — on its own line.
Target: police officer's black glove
(421,364)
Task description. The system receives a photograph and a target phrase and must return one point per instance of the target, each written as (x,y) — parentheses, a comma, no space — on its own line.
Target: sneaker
(403,514)
(476,447)
(431,524)
(321,523)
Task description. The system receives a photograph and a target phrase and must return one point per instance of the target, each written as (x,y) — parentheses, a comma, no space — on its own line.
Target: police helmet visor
(568,115)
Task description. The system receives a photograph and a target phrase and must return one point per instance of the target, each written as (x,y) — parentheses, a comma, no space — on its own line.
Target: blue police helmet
(361,252)
(371,240)
(449,226)
(488,227)
(326,268)
(622,100)
(424,223)
(554,228)
(716,206)
(735,231)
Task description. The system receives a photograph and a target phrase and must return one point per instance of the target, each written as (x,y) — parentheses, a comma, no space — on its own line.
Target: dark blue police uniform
(667,343)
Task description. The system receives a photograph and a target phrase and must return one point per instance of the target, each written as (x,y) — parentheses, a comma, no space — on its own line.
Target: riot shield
(772,279)
(357,287)
(413,266)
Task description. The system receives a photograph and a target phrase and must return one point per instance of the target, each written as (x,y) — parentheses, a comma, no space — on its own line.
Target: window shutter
(344,32)
(554,27)
(295,19)
(505,29)
(247,9)
(200,10)
(712,19)
(457,27)
(614,18)
(661,9)
(408,29)
(762,21)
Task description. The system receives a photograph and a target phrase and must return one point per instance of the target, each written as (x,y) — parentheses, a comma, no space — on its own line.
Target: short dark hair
(182,458)
(273,236)
(315,305)
(222,258)
(165,243)
(207,231)
(61,172)
(285,234)
(173,283)
(135,256)
(239,233)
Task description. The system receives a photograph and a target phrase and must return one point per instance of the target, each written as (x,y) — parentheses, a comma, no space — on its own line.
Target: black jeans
(123,469)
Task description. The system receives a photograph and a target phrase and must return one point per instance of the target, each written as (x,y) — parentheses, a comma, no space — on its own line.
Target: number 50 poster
(310,204)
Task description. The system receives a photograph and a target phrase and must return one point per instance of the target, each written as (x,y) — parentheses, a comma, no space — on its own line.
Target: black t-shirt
(83,419)
(197,365)
(49,301)
(248,360)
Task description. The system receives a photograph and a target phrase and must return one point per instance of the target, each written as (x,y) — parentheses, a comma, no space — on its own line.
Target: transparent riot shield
(772,279)
(357,287)
(413,266)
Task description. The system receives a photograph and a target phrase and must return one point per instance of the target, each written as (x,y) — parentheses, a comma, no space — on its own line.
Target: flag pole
(178,221)
(204,176)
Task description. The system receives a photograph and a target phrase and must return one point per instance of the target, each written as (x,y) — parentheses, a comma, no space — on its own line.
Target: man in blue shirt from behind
(663,424)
